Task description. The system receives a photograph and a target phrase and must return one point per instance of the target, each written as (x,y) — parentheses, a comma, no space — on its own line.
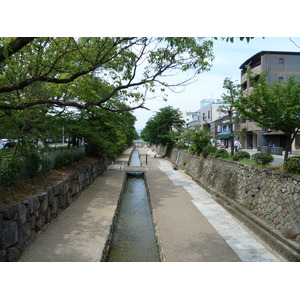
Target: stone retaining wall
(19,223)
(271,196)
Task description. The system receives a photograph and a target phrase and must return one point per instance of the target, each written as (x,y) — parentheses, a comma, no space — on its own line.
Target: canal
(133,238)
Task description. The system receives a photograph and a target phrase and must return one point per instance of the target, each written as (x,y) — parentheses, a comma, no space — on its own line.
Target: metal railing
(13,168)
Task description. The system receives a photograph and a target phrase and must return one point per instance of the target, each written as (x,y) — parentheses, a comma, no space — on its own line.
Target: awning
(274,133)
(224,133)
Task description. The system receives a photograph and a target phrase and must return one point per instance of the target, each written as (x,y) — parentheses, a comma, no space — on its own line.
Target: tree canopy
(94,72)
(163,127)
(87,86)
(233,92)
(274,106)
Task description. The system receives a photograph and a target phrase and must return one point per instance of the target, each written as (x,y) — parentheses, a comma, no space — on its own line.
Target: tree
(200,138)
(275,106)
(163,128)
(232,95)
(124,69)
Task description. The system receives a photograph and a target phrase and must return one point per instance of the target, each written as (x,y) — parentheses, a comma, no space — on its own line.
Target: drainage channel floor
(133,237)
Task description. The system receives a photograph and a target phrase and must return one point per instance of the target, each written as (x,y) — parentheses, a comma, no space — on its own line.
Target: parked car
(8,145)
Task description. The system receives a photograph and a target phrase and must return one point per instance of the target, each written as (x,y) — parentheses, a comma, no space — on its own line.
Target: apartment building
(207,113)
(188,116)
(279,66)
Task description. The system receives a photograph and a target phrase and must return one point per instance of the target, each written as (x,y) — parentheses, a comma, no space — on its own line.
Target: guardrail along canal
(133,238)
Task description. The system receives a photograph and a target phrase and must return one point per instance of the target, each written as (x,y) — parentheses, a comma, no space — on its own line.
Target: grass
(245,161)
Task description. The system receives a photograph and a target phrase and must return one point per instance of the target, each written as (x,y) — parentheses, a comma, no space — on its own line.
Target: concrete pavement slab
(80,232)
(228,233)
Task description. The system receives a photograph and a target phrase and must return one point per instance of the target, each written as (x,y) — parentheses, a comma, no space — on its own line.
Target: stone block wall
(271,196)
(19,223)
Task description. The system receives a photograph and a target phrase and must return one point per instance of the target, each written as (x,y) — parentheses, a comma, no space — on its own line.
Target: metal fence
(272,150)
(13,168)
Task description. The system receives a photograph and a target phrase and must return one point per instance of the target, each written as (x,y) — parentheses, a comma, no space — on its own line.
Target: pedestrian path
(190,225)
(242,243)
(80,232)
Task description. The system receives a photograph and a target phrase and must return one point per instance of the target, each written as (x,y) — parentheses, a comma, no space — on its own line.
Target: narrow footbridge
(129,169)
(134,170)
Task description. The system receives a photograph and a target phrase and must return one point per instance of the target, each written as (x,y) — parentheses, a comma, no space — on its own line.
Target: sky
(228,58)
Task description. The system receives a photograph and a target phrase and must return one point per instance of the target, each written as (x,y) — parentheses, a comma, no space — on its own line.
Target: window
(208,115)
(280,60)
(244,86)
(280,78)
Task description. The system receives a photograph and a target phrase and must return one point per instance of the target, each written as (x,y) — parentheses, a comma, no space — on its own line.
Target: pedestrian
(237,146)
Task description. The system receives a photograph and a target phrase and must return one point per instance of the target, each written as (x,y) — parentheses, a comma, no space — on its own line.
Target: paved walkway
(191,226)
(80,232)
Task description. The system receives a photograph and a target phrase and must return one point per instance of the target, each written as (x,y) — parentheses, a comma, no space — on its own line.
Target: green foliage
(241,155)
(9,170)
(208,150)
(181,146)
(163,128)
(31,164)
(222,153)
(61,70)
(275,106)
(292,165)
(233,93)
(201,139)
(63,159)
(263,158)
(45,162)
(231,39)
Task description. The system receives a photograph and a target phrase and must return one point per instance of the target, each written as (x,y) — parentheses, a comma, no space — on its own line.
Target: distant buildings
(279,66)
(188,116)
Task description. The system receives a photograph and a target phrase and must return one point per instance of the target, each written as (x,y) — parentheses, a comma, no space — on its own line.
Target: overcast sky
(228,58)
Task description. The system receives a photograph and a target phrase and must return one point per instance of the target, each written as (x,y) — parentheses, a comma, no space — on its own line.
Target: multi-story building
(279,66)
(188,116)
(207,113)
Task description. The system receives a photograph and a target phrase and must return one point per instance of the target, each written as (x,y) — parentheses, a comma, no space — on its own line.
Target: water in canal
(133,238)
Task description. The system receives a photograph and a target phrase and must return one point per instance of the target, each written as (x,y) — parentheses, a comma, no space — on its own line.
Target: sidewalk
(80,232)
(191,225)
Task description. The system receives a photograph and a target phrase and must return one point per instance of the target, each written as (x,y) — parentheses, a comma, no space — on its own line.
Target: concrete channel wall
(19,223)
(268,199)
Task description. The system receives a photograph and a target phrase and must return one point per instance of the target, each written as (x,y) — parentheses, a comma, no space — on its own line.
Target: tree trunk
(289,142)
(168,151)
(231,134)
(288,146)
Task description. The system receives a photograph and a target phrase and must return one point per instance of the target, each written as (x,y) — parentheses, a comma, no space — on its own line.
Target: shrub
(181,145)
(222,153)
(78,156)
(263,158)
(200,140)
(240,155)
(292,164)
(62,159)
(32,162)
(10,168)
(45,162)
(208,149)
